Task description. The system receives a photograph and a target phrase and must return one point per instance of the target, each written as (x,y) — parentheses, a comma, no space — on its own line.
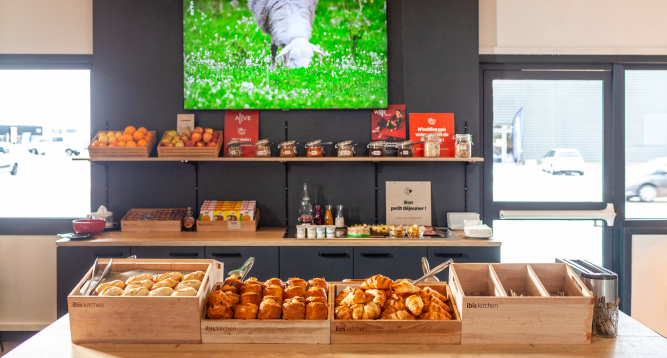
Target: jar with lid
(390,149)
(345,149)
(431,145)
(287,149)
(405,149)
(376,149)
(234,149)
(315,148)
(463,145)
(262,148)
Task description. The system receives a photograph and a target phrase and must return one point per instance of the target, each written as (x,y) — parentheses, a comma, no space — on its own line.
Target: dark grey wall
(137,79)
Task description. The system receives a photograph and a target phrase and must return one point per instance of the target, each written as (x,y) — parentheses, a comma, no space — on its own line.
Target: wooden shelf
(283,160)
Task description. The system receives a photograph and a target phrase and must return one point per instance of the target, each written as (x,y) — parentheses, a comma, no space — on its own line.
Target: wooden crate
(107,319)
(265,330)
(490,316)
(146,226)
(223,225)
(393,331)
(195,152)
(105,152)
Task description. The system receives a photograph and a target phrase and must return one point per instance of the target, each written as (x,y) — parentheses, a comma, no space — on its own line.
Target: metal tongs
(242,272)
(426,268)
(433,272)
(92,286)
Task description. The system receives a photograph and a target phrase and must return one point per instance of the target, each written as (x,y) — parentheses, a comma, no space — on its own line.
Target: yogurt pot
(319,232)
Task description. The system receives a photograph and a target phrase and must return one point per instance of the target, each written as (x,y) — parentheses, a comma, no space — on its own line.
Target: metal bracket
(607,214)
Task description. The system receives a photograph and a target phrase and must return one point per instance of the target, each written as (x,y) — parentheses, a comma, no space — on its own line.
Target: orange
(148,135)
(102,145)
(141,143)
(138,135)
(122,144)
(96,143)
(130,130)
(142,129)
(131,144)
(127,137)
(114,144)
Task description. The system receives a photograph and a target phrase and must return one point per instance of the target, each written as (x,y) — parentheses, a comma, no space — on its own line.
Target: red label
(389,124)
(244,126)
(442,123)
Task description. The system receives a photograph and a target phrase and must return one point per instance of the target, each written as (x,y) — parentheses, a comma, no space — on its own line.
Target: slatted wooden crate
(145,226)
(224,225)
(105,152)
(194,152)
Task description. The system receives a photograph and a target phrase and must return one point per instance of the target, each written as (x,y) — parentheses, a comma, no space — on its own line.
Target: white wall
(46,26)
(649,281)
(595,27)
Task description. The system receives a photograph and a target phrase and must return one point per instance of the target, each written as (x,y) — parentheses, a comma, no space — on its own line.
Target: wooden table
(634,340)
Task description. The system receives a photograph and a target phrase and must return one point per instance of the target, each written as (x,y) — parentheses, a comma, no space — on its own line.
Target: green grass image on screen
(227,57)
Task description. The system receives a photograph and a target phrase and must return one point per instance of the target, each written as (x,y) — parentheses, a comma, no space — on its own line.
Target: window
(44,123)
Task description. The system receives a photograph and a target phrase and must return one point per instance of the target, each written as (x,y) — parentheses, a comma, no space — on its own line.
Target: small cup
(331,232)
(320,232)
(311,232)
(300,232)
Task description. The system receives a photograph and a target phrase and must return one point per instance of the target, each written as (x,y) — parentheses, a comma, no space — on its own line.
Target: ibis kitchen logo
(243,125)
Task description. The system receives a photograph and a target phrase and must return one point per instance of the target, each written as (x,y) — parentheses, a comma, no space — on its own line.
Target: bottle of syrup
(189,220)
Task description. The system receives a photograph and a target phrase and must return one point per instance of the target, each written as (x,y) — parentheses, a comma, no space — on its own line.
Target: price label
(233,225)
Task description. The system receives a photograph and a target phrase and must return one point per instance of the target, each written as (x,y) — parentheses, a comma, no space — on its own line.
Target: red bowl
(89,226)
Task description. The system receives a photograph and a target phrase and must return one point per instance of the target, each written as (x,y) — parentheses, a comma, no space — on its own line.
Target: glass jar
(463,145)
(234,149)
(345,149)
(376,149)
(431,145)
(287,149)
(314,149)
(398,231)
(405,149)
(390,149)
(262,148)
(416,231)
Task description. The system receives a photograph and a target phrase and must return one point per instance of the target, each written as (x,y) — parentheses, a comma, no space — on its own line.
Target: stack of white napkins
(478,232)
(455,220)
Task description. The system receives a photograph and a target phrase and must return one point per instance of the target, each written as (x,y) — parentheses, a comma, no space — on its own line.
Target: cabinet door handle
(376,255)
(231,254)
(333,255)
(118,254)
(183,254)
(444,254)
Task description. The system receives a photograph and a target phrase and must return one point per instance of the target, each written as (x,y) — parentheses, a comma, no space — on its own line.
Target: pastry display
(379,297)
(137,291)
(197,275)
(295,299)
(145,283)
(166,284)
(170,282)
(191,283)
(175,275)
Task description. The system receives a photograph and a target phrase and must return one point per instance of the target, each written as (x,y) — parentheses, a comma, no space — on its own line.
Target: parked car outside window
(647,181)
(563,161)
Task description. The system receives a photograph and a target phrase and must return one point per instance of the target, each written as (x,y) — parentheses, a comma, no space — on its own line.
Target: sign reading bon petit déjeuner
(408,203)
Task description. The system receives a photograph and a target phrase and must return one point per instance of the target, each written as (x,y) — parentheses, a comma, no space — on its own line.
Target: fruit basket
(128,143)
(199,143)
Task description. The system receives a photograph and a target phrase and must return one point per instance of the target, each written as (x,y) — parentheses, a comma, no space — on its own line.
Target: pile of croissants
(380,297)
(273,299)
(166,284)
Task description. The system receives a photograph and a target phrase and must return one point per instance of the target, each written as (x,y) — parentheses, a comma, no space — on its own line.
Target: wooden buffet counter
(634,340)
(262,237)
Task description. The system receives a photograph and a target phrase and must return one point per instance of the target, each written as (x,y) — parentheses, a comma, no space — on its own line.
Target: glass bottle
(317,217)
(340,220)
(328,217)
(306,208)
(189,220)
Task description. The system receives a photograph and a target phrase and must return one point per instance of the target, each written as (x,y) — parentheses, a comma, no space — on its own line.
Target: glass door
(549,134)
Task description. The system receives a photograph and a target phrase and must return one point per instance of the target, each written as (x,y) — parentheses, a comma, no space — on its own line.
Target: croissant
(379,296)
(402,315)
(312,299)
(251,297)
(316,292)
(274,282)
(145,283)
(141,277)
(294,291)
(295,281)
(234,299)
(197,275)
(294,308)
(342,312)
(247,311)
(252,288)
(433,316)
(415,304)
(230,288)
(175,275)
(220,310)
(191,283)
(436,294)
(111,291)
(387,312)
(162,291)
(170,282)
(273,290)
(371,310)
(233,281)
(357,296)
(425,296)
(433,307)
(317,310)
(393,300)
(403,280)
(377,282)
(342,295)
(442,305)
(318,282)
(405,287)
(357,310)
(270,309)
(104,286)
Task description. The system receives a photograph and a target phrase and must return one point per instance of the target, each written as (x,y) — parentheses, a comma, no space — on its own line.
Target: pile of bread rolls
(380,297)
(166,284)
(273,299)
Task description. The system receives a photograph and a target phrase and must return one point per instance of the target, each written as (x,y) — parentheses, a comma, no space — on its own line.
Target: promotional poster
(389,124)
(244,126)
(442,123)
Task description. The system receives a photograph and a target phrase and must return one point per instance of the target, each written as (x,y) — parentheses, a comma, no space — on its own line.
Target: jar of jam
(376,149)
(287,149)
(431,145)
(262,148)
(405,149)
(345,149)
(234,149)
(314,148)
(463,145)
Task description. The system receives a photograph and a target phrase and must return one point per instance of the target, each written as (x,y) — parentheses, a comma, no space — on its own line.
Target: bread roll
(270,309)
(312,299)
(274,281)
(230,288)
(104,286)
(170,282)
(318,282)
(234,299)
(294,291)
(175,275)
(295,281)
(251,297)
(187,291)
(248,311)
(138,291)
(162,291)
(191,283)
(317,310)
(220,310)
(112,291)
(145,283)
(273,290)
(316,292)
(233,281)
(294,308)
(141,277)
(197,275)
(252,288)
(377,282)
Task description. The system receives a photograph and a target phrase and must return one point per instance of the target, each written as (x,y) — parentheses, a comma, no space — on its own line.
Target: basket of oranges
(131,142)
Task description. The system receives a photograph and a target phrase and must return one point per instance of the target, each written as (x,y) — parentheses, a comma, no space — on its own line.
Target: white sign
(184,122)
(408,202)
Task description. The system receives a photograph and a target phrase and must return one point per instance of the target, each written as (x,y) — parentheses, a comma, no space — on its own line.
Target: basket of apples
(197,143)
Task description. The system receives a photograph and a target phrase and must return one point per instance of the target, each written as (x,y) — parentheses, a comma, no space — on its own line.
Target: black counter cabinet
(266,259)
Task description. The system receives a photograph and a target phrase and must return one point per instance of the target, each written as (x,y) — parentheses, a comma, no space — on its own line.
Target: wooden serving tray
(193,152)
(105,152)
(146,226)
(383,331)
(222,225)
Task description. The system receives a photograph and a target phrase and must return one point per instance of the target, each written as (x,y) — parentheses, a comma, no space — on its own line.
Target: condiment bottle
(328,217)
(189,220)
(340,220)
(317,217)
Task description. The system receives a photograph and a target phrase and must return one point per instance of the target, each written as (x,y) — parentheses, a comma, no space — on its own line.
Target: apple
(198,130)
(208,130)
(216,135)
(179,144)
(211,144)
(200,144)
(207,137)
(196,137)
(170,144)
(185,137)
(166,140)
(172,133)
(189,143)
(188,132)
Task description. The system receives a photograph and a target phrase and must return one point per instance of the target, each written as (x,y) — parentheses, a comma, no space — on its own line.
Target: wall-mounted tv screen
(284,54)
